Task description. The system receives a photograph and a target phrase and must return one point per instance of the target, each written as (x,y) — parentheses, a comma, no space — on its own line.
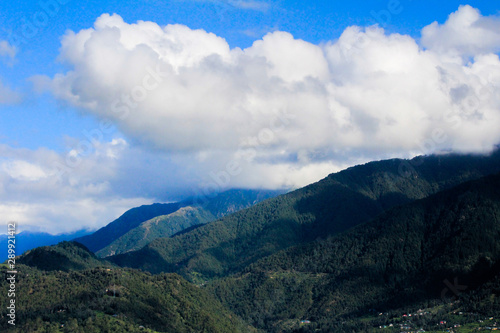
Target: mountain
(65,256)
(160,226)
(330,206)
(95,297)
(190,213)
(129,220)
(27,240)
(231,201)
(426,253)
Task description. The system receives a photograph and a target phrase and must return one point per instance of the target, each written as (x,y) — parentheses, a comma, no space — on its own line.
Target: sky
(105,106)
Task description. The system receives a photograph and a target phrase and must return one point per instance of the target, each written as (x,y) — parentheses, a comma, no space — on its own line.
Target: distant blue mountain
(28,240)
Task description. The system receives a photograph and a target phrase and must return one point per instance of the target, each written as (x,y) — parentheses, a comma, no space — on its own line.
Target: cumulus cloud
(466,33)
(365,91)
(281,113)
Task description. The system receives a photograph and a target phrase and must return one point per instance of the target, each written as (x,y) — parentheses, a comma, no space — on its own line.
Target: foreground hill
(65,256)
(424,253)
(107,299)
(335,204)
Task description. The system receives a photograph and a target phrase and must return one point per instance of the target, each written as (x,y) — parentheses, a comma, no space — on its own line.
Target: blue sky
(283,56)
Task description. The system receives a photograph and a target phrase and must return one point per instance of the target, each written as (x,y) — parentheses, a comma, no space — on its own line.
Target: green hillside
(335,204)
(157,227)
(129,220)
(64,256)
(108,299)
(192,212)
(406,258)
(232,201)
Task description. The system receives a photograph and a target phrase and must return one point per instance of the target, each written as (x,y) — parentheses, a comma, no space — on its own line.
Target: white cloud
(465,33)
(23,170)
(46,191)
(65,216)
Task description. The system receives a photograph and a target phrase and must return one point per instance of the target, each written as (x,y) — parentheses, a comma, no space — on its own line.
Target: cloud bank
(186,90)
(282,113)
(33,194)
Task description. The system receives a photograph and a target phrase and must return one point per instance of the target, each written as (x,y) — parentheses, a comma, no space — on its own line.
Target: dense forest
(398,260)
(100,298)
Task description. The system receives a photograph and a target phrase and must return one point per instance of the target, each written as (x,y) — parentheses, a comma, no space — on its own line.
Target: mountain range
(140,225)
(186,215)
(328,207)
(404,244)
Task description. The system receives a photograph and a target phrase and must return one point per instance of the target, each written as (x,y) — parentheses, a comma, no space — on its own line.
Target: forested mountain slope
(129,220)
(64,256)
(157,227)
(422,253)
(335,204)
(122,234)
(106,299)
(192,212)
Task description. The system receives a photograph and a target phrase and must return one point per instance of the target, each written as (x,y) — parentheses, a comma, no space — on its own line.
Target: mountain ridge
(128,220)
(332,205)
(64,256)
(158,226)
(191,212)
